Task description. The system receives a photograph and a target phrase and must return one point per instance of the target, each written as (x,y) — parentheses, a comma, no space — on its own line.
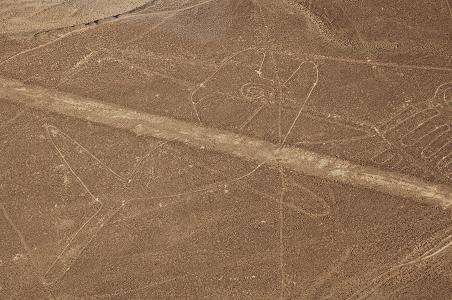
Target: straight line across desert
(225,149)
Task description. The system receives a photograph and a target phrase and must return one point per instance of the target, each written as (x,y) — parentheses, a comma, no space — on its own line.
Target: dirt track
(225,149)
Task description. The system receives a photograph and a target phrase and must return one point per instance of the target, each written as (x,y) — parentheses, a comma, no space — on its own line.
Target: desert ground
(225,149)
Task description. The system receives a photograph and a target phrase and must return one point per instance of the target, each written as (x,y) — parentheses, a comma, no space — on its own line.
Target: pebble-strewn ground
(91,211)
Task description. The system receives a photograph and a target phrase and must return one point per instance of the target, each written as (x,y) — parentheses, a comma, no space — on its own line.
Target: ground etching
(82,237)
(239,96)
(418,139)
(422,256)
(246,93)
(106,208)
(420,136)
(245,86)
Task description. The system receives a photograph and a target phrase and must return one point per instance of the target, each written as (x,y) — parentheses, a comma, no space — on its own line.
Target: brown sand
(127,163)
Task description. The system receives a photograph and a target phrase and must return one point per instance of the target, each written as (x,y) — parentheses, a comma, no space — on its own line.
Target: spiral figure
(443,95)
(258,92)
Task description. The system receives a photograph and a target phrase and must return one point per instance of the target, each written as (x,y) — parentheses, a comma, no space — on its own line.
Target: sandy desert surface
(225,149)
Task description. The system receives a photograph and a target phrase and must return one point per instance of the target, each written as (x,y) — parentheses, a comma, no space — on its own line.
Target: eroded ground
(91,212)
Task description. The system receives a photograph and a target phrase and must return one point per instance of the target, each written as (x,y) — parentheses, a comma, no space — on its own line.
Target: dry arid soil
(226,149)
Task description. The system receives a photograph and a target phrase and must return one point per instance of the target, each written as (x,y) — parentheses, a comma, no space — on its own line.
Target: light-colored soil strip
(306,162)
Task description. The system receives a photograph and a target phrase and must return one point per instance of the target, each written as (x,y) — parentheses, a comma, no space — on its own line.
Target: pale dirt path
(306,162)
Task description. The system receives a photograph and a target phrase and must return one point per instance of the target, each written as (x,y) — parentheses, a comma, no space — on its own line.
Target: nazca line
(244,147)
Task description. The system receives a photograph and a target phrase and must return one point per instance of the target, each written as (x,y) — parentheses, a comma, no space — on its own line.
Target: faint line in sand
(90,229)
(138,289)
(376,63)
(449,8)
(244,147)
(13,119)
(43,45)
(16,230)
(27,248)
(303,105)
(281,234)
(394,271)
